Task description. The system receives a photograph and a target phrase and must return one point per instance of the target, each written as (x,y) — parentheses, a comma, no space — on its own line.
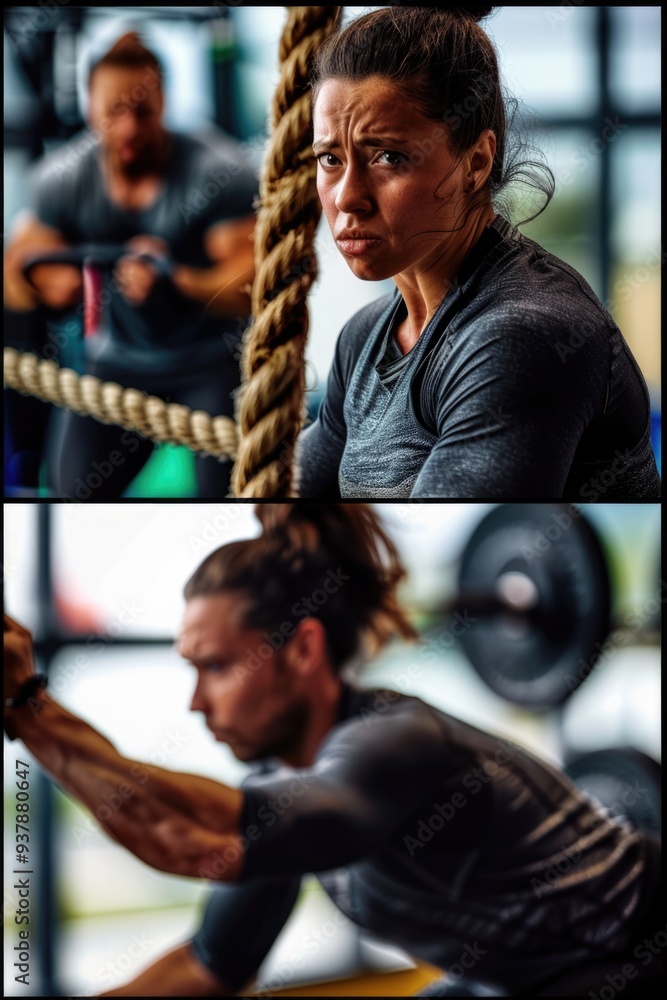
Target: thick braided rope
(271,411)
(112,404)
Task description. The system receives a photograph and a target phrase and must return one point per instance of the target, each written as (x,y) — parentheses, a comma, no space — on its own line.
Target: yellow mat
(378,984)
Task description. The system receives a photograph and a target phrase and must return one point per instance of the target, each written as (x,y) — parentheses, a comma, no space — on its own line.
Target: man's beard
(151,160)
(286,733)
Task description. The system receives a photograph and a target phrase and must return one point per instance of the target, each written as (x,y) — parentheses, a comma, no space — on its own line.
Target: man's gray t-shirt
(433,835)
(207,181)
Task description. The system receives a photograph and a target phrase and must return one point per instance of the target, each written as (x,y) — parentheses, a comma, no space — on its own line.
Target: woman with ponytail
(462,848)
(493,371)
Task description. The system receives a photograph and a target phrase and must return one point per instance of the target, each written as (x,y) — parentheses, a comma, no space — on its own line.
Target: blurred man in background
(158,192)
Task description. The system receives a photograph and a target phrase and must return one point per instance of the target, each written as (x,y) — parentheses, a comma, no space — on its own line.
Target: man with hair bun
(130,180)
(465,850)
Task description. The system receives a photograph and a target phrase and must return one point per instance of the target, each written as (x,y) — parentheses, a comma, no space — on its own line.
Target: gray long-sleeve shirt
(520,386)
(433,835)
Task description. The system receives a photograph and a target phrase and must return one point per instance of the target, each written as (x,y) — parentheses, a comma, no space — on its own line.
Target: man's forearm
(223,288)
(177,974)
(174,822)
(58,286)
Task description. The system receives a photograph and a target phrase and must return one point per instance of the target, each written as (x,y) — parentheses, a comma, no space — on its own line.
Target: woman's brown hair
(330,561)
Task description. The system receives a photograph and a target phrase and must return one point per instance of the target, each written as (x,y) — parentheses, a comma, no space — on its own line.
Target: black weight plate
(540,661)
(623,780)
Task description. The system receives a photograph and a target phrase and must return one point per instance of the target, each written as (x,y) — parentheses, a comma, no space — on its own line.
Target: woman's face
(390,188)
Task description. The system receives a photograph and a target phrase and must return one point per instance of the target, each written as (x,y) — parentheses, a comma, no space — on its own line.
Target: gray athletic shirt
(521,386)
(433,835)
(207,181)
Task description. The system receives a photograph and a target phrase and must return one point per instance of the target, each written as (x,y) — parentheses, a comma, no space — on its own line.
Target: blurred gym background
(112,576)
(588,78)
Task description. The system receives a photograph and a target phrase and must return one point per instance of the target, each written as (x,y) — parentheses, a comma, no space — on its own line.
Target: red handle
(93,284)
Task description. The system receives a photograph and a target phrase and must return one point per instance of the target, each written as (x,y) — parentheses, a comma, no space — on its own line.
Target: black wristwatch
(27,690)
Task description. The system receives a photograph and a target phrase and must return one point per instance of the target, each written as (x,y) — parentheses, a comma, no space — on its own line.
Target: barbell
(533,601)
(534,614)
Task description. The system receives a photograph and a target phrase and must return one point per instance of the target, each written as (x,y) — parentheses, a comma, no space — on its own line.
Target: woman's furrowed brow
(384,139)
(323,145)
(376,141)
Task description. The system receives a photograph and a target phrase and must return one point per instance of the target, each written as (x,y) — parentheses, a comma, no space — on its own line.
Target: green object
(169,472)
(223,52)
(223,45)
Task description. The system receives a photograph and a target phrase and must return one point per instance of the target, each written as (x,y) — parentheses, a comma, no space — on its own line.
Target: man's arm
(56,285)
(238,928)
(179,973)
(223,288)
(377,771)
(179,823)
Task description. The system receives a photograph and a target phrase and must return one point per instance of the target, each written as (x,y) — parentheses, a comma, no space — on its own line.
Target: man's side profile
(344,782)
